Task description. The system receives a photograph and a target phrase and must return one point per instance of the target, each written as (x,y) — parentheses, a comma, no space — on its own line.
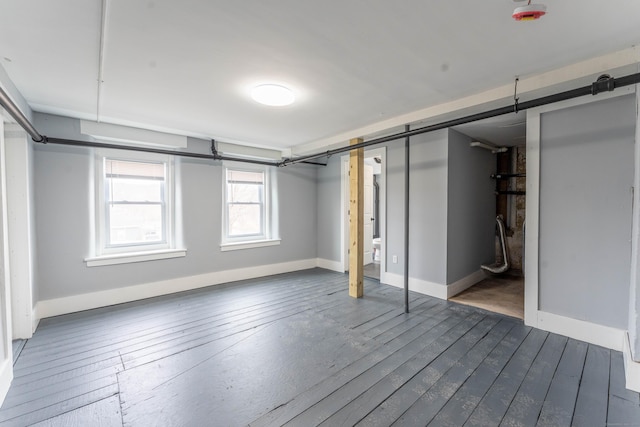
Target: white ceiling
(187,66)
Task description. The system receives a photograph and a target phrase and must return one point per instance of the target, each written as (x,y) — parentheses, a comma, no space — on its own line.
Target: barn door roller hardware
(604,83)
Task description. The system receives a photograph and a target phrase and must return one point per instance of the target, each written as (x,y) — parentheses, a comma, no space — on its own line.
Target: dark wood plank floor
(296,350)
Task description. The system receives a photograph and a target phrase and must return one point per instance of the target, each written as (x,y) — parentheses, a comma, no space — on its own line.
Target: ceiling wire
(103,37)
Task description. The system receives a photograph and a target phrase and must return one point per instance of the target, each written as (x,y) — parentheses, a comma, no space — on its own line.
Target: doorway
(503,292)
(374,212)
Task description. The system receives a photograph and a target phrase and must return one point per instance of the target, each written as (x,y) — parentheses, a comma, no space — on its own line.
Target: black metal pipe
(22,120)
(521,106)
(75,143)
(406,220)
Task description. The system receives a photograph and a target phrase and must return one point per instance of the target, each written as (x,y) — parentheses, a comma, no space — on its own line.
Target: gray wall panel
(63,180)
(586,175)
(329,210)
(471,208)
(428,207)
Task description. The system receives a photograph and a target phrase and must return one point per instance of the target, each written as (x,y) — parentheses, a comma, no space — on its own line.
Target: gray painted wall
(329,211)
(427,206)
(634,292)
(394,170)
(586,170)
(471,208)
(63,179)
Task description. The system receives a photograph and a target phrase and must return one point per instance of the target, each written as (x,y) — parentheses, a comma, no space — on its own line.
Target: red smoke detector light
(529,12)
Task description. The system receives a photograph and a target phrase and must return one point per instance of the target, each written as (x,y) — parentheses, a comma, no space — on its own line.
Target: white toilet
(376,250)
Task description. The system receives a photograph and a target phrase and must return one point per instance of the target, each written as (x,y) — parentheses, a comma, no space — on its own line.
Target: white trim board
(433,289)
(328,264)
(592,333)
(631,367)
(425,287)
(456,287)
(6,376)
(75,303)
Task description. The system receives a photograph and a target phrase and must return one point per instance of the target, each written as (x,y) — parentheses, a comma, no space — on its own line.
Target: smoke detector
(530,12)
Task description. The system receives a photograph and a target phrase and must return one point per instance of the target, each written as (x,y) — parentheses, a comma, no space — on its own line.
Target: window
(246,208)
(134,208)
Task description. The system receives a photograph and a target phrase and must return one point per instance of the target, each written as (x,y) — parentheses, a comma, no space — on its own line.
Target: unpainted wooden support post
(356,220)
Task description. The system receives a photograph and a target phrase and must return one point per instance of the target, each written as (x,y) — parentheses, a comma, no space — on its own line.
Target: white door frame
(6,356)
(344,207)
(533,316)
(18,150)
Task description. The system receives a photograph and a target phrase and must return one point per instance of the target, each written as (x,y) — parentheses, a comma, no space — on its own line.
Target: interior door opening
(373,259)
(504,292)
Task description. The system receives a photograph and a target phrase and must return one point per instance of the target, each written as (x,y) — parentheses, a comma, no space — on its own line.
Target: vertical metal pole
(406,221)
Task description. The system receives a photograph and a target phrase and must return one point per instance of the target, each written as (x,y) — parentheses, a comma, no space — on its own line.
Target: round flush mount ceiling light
(273,95)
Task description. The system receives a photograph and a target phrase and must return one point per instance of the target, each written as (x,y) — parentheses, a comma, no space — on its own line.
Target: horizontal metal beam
(20,118)
(75,143)
(602,84)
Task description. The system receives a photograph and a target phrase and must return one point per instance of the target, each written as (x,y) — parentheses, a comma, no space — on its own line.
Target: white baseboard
(72,304)
(436,290)
(330,265)
(35,318)
(455,288)
(6,376)
(592,333)
(631,367)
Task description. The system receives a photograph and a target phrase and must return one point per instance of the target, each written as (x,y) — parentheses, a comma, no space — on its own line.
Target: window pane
(244,220)
(135,224)
(135,190)
(244,193)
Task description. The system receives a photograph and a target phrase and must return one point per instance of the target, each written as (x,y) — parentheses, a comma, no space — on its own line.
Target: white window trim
(126,258)
(235,246)
(101,255)
(269,237)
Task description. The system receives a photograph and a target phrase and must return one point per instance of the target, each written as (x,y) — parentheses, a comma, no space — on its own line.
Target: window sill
(236,246)
(129,257)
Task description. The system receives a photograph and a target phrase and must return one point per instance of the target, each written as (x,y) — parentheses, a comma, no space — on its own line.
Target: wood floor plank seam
(322,410)
(49,362)
(295,349)
(419,372)
(202,307)
(439,388)
(164,302)
(494,364)
(286,411)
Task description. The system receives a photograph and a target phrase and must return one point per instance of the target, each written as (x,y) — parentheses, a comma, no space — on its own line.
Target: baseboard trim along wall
(631,367)
(425,287)
(455,288)
(6,376)
(35,318)
(330,265)
(75,303)
(592,333)
(433,289)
